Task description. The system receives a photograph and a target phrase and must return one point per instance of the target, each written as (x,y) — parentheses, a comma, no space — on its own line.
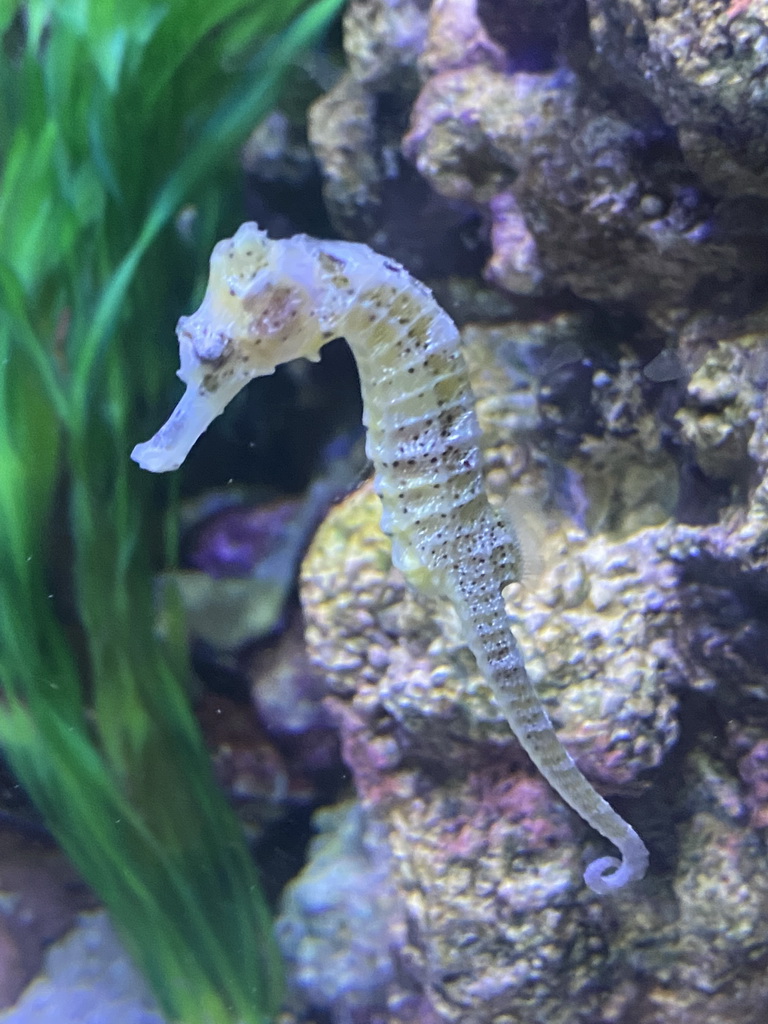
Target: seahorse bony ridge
(271,301)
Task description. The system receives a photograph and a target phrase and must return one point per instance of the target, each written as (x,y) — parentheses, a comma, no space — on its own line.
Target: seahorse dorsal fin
(529,523)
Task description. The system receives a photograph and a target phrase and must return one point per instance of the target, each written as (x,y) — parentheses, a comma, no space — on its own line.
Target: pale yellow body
(271,301)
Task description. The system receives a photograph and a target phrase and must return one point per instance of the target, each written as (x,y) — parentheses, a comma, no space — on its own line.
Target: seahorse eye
(209,345)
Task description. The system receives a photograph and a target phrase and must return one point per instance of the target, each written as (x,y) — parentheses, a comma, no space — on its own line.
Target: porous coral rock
(40,898)
(580,176)
(601,612)
(594,176)
(471,128)
(247,765)
(515,263)
(723,593)
(88,979)
(484,854)
(708,966)
(589,170)
(456,38)
(383,39)
(721,408)
(342,132)
(603,461)
(499,929)
(752,747)
(355,130)
(703,64)
(505,361)
(340,919)
(622,464)
(485,857)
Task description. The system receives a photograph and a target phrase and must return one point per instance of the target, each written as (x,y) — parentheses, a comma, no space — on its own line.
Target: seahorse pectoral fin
(406,558)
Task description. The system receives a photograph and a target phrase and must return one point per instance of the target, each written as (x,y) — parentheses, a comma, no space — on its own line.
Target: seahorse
(270,301)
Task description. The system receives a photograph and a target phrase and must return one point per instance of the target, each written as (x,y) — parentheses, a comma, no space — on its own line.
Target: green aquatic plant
(113,117)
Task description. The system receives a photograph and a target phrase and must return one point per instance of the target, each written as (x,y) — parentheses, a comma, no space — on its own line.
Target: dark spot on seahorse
(211,382)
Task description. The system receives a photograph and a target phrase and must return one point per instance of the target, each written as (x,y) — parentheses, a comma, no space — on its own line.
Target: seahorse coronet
(271,301)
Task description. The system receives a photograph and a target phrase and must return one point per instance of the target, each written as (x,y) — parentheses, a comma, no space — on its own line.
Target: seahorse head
(257,312)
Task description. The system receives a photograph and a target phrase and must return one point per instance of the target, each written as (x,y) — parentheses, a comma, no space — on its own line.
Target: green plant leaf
(114,114)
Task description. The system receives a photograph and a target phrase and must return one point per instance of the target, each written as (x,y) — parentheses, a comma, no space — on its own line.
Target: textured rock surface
(722,405)
(614,150)
(356,129)
(486,859)
(703,63)
(88,979)
(594,213)
(340,920)
(599,616)
(614,157)
(647,645)
(497,921)
(40,897)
